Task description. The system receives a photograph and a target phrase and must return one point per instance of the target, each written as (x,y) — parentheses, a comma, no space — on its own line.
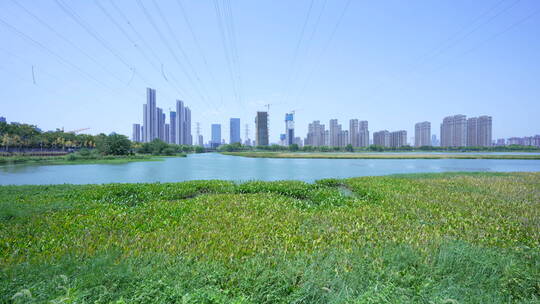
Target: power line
(169,48)
(325,48)
(62,37)
(308,44)
(182,51)
(135,45)
(227,51)
(199,48)
(488,39)
(66,9)
(54,54)
(286,86)
(235,55)
(147,46)
(452,41)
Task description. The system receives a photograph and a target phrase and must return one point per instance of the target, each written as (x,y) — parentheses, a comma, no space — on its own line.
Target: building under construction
(261,129)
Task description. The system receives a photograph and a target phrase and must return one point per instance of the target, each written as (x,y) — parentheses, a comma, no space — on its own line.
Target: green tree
(114,144)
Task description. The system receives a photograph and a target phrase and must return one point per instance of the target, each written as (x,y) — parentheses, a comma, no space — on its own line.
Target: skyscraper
(398,139)
(334,131)
(315,135)
(172,127)
(180,122)
(183,124)
(434,141)
(353,132)
(201,141)
(454,131)
(422,134)
(261,129)
(289,129)
(363,134)
(234,130)
(216,136)
(188,138)
(479,131)
(485,131)
(167,133)
(136,137)
(381,138)
(150,116)
(472,132)
(160,124)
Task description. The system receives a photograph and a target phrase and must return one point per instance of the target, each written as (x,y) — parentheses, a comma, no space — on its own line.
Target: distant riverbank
(405,155)
(74,159)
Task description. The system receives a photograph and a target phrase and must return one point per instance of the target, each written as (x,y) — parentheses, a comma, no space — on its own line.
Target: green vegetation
(16,135)
(159,147)
(237,147)
(429,238)
(77,158)
(379,156)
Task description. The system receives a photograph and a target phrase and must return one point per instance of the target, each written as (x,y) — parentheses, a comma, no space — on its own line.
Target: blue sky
(393,63)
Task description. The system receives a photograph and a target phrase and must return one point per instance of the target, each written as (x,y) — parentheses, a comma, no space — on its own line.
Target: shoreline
(64,160)
(353,155)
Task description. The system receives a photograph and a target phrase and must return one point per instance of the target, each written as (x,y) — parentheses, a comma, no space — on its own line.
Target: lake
(217,166)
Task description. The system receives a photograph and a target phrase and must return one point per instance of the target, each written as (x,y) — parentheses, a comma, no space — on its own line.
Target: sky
(87,64)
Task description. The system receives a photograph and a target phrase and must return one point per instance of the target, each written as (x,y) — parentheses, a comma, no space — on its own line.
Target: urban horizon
(455,131)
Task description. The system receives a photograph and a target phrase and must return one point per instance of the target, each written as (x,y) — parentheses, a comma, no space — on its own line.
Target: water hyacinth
(410,238)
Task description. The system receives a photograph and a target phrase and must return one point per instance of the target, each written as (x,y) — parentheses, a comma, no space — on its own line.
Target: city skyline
(446,57)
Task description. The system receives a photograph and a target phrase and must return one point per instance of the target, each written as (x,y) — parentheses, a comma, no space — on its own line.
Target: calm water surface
(217,166)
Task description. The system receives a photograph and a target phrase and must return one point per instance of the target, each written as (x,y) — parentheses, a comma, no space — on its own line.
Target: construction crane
(77,130)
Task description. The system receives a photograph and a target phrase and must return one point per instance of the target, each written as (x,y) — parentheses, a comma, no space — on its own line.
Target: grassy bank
(343,155)
(74,159)
(430,238)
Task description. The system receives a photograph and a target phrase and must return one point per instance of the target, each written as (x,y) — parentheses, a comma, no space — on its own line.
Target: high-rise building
(136,137)
(353,132)
(282,138)
(381,138)
(261,129)
(172,127)
(201,141)
(216,136)
(334,131)
(2,119)
(472,132)
(289,129)
(167,133)
(234,130)
(150,116)
(422,134)
(363,133)
(161,124)
(343,138)
(188,137)
(434,141)
(484,136)
(315,135)
(180,122)
(398,139)
(454,131)
(183,124)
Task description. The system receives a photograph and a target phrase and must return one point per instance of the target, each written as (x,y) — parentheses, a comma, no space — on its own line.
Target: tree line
(25,136)
(237,147)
